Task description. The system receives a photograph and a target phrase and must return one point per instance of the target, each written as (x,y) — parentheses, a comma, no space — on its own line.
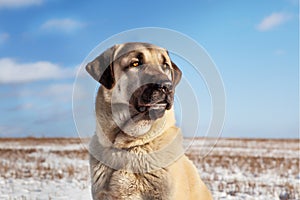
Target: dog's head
(140,79)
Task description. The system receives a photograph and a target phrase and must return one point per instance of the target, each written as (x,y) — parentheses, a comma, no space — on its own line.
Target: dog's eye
(166,66)
(134,64)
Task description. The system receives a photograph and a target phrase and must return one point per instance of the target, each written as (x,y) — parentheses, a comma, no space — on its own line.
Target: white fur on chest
(108,183)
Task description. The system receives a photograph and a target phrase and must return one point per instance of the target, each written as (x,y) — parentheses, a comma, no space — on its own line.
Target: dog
(136,152)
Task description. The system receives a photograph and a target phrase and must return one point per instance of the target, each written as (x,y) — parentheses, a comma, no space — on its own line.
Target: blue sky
(255,45)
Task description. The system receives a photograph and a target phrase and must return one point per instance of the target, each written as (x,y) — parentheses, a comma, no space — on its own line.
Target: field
(57,168)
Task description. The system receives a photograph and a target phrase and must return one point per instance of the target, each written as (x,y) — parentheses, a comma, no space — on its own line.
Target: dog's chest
(120,184)
(152,185)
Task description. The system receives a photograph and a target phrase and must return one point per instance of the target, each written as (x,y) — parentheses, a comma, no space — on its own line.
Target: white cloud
(273,20)
(14,72)
(279,52)
(65,25)
(21,107)
(61,92)
(19,3)
(43,109)
(4,37)
(294,2)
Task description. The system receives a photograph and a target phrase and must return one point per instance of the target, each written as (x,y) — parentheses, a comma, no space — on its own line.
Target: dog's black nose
(165,86)
(156,92)
(154,98)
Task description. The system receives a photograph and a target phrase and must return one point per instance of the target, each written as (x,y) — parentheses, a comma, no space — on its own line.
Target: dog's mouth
(150,111)
(153,106)
(147,104)
(151,101)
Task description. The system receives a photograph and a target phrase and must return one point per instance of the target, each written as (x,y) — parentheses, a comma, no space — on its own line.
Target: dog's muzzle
(153,99)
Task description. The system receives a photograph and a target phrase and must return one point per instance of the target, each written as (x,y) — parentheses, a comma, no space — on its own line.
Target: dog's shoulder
(187,181)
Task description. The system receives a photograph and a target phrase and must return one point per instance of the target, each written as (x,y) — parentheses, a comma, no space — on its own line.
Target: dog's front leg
(100,178)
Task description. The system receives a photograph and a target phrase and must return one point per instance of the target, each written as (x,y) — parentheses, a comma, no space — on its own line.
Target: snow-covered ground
(235,168)
(250,169)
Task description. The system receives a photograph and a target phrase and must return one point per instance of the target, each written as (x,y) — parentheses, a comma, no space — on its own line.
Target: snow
(249,169)
(234,169)
(31,188)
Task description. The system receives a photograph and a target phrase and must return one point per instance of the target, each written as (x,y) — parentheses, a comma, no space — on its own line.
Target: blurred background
(254,44)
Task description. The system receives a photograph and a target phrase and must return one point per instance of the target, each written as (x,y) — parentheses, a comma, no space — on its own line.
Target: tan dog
(137,150)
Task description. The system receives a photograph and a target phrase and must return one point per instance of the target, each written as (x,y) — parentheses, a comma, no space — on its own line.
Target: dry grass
(252,166)
(236,166)
(28,162)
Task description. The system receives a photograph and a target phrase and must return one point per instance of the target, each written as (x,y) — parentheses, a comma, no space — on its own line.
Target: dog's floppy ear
(101,68)
(176,74)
